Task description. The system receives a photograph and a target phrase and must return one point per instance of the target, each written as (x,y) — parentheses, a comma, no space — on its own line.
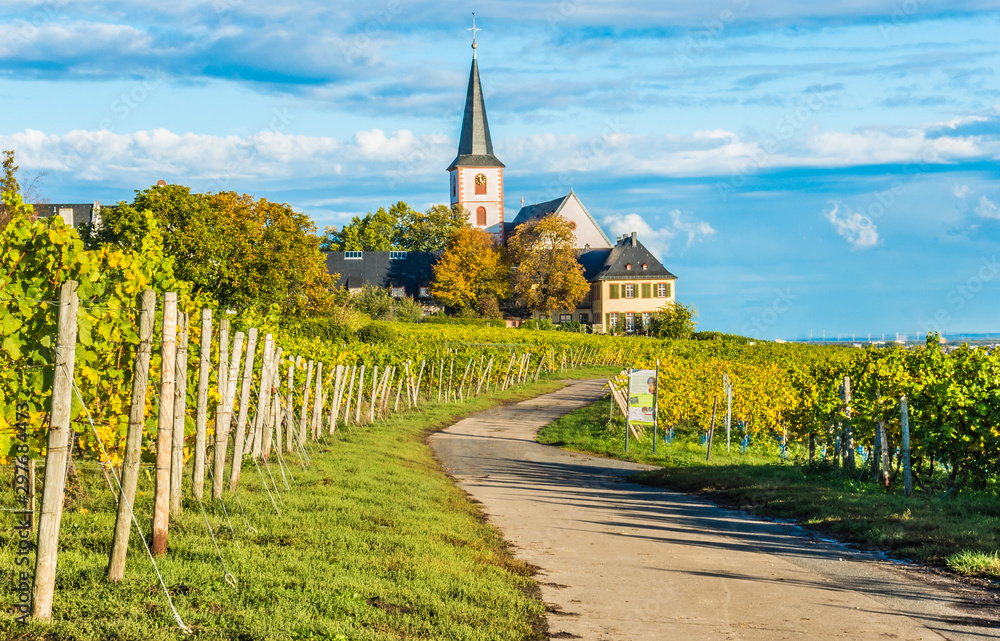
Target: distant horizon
(795,165)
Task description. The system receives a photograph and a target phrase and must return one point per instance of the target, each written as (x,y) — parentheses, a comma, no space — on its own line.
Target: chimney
(618,239)
(633,239)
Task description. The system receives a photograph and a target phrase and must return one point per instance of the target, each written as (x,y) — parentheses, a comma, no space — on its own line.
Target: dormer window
(628,267)
(645,267)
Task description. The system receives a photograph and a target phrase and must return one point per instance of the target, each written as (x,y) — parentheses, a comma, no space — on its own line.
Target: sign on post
(642,397)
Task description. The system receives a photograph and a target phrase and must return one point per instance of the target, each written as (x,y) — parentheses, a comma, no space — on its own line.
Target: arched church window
(480,184)
(480,215)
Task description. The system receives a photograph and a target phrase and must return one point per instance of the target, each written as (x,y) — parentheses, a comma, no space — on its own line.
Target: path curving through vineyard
(620,561)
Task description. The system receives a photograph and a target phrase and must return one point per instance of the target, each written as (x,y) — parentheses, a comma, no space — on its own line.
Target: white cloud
(855,227)
(961,191)
(988,209)
(659,241)
(153,154)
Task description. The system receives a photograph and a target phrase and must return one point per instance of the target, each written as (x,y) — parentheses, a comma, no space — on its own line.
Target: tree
(432,230)
(8,186)
(546,273)
(472,268)
(400,227)
(246,253)
(674,320)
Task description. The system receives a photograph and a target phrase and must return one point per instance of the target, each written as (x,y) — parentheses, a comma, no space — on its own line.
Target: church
(627,283)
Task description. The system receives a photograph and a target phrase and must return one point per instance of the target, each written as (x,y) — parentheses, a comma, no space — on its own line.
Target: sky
(805,169)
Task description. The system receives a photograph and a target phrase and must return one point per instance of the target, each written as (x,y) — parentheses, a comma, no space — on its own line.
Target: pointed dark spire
(475,148)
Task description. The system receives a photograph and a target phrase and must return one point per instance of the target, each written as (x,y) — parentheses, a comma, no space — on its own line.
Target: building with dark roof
(73,214)
(402,273)
(627,286)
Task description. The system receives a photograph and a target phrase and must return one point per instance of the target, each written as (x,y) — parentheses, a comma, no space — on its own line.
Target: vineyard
(109,360)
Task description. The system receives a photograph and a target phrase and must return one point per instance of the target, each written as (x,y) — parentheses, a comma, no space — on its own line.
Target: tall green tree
(545,272)
(472,268)
(433,229)
(398,227)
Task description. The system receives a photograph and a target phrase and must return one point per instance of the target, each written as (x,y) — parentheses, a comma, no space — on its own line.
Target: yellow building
(627,286)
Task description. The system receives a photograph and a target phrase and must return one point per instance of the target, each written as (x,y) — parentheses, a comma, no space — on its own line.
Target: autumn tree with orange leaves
(473,267)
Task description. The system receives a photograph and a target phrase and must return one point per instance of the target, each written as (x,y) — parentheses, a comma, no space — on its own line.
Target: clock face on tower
(480,179)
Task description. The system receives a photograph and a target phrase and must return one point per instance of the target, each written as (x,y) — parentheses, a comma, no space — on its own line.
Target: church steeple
(475,147)
(476,174)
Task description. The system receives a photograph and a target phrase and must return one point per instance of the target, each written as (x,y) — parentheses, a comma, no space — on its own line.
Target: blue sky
(802,167)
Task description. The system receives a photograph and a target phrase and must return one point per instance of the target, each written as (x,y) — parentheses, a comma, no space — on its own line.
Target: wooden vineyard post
(361,389)
(440,378)
(334,403)
(271,434)
(374,394)
(289,411)
(711,430)
(304,415)
(883,454)
(268,366)
(133,439)
(461,386)
(222,420)
(240,443)
(56,454)
(201,417)
(904,416)
(350,394)
(847,448)
(180,415)
(165,426)
(317,402)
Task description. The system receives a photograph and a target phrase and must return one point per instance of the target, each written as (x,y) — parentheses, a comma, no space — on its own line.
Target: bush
(376,333)
(408,310)
(325,329)
(543,324)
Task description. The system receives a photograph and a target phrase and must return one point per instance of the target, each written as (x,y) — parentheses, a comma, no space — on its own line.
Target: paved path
(619,561)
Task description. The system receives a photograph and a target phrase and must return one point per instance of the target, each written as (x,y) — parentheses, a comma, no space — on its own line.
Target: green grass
(923,527)
(975,563)
(374,541)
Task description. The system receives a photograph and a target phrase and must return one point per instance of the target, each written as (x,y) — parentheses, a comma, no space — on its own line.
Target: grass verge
(960,531)
(373,541)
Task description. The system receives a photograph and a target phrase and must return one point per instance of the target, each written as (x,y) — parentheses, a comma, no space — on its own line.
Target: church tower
(476,174)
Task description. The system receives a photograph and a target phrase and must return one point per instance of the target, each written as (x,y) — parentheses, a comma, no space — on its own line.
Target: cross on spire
(474,29)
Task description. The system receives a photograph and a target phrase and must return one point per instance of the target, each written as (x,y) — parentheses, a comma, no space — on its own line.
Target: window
(481,185)
(397,255)
(630,291)
(572,225)
(352,255)
(630,321)
(663,290)
(646,318)
(453,181)
(565,318)
(481,216)
(645,267)
(425,292)
(398,292)
(584,318)
(612,291)
(628,267)
(646,290)
(613,319)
